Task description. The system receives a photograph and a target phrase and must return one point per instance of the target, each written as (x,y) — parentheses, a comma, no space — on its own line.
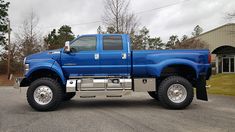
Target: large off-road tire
(68,96)
(44,94)
(153,94)
(175,92)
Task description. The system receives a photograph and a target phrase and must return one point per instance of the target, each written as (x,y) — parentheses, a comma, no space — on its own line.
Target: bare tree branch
(117,16)
(28,36)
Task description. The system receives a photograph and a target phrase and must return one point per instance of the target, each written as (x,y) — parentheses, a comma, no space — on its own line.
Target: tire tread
(57,94)
(162,92)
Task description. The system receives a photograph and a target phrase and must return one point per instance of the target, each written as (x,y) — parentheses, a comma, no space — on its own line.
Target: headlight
(26,66)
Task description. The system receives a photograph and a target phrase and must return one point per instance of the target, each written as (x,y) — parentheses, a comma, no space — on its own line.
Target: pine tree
(155,43)
(55,40)
(173,40)
(143,41)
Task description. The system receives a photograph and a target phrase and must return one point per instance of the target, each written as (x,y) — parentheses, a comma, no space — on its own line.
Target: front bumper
(20,82)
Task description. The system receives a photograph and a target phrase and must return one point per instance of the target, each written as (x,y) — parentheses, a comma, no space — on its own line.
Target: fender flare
(53,66)
(57,68)
(162,65)
(179,62)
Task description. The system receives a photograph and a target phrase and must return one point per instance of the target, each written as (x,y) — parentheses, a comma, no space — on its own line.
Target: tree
(230,16)
(155,43)
(193,43)
(65,34)
(142,41)
(55,40)
(144,33)
(117,17)
(197,31)
(30,41)
(3,21)
(51,40)
(184,37)
(110,30)
(15,58)
(173,40)
(136,41)
(99,30)
(27,41)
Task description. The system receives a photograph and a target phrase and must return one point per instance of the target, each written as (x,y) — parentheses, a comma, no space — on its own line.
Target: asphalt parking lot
(137,112)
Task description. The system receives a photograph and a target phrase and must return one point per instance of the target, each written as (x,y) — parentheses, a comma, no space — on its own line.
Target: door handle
(123,56)
(97,56)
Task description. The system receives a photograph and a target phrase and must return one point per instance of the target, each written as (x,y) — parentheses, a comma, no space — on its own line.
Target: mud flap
(201,89)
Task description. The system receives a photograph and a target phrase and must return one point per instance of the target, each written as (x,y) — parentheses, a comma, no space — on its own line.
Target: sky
(84,16)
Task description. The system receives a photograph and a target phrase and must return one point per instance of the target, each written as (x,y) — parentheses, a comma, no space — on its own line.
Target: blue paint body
(145,63)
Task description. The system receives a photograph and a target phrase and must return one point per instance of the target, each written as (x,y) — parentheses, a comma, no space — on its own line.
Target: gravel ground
(136,112)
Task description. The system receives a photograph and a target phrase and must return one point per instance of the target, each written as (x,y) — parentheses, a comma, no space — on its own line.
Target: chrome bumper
(17,83)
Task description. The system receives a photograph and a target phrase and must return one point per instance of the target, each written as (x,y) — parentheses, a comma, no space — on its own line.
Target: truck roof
(100,34)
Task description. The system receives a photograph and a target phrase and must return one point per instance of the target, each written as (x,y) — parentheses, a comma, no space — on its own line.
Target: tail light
(209,58)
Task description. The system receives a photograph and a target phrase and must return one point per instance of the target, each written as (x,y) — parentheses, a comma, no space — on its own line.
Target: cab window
(112,42)
(86,43)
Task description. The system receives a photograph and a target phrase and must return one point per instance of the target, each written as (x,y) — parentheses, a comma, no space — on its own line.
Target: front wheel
(44,94)
(175,92)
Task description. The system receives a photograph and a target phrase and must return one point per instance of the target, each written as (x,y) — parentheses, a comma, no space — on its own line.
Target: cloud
(181,19)
(178,19)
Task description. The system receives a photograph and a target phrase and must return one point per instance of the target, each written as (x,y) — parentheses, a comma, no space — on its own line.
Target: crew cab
(104,65)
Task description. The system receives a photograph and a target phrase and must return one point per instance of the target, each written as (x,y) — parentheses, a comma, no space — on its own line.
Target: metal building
(221,41)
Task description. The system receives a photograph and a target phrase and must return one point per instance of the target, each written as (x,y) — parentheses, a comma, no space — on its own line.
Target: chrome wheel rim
(177,93)
(43,95)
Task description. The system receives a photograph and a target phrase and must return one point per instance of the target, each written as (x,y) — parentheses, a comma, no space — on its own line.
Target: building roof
(228,24)
(219,36)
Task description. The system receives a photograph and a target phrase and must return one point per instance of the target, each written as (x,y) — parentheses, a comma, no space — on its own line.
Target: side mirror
(67,47)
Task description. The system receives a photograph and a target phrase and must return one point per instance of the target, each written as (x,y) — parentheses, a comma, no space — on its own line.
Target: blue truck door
(83,58)
(114,57)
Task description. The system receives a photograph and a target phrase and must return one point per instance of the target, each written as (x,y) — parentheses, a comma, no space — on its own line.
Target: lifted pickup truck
(93,65)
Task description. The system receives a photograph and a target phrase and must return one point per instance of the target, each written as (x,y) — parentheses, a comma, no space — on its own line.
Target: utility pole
(9,49)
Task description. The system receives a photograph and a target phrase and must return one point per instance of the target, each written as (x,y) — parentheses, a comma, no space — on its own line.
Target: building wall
(221,36)
(224,35)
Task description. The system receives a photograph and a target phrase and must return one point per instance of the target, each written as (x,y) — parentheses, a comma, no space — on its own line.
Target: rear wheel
(175,92)
(44,94)
(153,94)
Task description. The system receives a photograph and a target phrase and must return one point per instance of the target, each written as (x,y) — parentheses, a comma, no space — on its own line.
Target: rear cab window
(112,42)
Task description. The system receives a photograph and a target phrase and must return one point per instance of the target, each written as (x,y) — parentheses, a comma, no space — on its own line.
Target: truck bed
(151,62)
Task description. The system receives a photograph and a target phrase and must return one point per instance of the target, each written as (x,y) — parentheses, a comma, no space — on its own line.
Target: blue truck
(104,65)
